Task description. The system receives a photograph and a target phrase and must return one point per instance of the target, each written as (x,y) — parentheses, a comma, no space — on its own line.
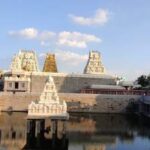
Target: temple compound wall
(19,100)
(65,83)
(71,83)
(93,103)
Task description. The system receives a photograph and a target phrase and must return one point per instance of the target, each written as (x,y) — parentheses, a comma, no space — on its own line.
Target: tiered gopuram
(94,64)
(49,104)
(50,63)
(25,61)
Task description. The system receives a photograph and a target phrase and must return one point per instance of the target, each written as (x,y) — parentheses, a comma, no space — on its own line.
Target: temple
(50,63)
(25,61)
(24,75)
(24,83)
(94,64)
(49,104)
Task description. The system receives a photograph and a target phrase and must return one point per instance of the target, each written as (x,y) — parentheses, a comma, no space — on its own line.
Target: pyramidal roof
(49,94)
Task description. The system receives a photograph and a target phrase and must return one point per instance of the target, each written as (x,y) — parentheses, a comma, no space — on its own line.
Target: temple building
(17,80)
(94,64)
(17,84)
(25,61)
(91,91)
(24,75)
(24,83)
(50,63)
(49,103)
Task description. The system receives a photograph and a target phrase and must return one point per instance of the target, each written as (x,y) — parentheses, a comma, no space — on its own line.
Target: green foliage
(144,80)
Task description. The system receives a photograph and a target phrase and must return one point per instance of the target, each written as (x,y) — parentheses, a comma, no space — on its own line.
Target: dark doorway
(13,135)
(16,85)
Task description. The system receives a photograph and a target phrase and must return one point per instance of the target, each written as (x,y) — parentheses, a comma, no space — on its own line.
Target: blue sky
(119,29)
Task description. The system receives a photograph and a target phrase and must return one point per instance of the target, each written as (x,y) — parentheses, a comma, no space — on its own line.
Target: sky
(118,29)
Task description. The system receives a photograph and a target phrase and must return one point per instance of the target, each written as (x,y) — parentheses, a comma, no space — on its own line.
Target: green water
(84,132)
(110,132)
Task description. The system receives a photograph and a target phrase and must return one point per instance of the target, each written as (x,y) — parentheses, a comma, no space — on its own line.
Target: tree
(143,80)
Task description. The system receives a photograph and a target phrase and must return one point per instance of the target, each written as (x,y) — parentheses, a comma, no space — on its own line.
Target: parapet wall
(69,83)
(94,103)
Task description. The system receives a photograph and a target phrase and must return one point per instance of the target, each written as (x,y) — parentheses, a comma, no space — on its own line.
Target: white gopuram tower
(25,61)
(49,104)
(94,64)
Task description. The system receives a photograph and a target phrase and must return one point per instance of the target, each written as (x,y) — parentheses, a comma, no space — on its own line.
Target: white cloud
(70,58)
(46,35)
(76,39)
(27,33)
(45,43)
(100,18)
(65,38)
(33,33)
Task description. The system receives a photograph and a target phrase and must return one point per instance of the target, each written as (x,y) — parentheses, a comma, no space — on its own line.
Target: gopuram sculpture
(49,103)
(25,61)
(94,64)
(50,63)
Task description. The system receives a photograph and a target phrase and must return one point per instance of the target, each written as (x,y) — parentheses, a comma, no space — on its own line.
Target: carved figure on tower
(25,61)
(94,64)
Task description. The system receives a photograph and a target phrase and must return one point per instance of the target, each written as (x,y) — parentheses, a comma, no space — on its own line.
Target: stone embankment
(93,103)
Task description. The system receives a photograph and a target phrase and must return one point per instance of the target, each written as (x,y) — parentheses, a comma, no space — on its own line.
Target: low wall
(99,103)
(94,103)
(17,101)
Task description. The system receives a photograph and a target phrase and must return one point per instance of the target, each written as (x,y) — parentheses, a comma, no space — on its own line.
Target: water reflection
(109,132)
(36,138)
(85,132)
